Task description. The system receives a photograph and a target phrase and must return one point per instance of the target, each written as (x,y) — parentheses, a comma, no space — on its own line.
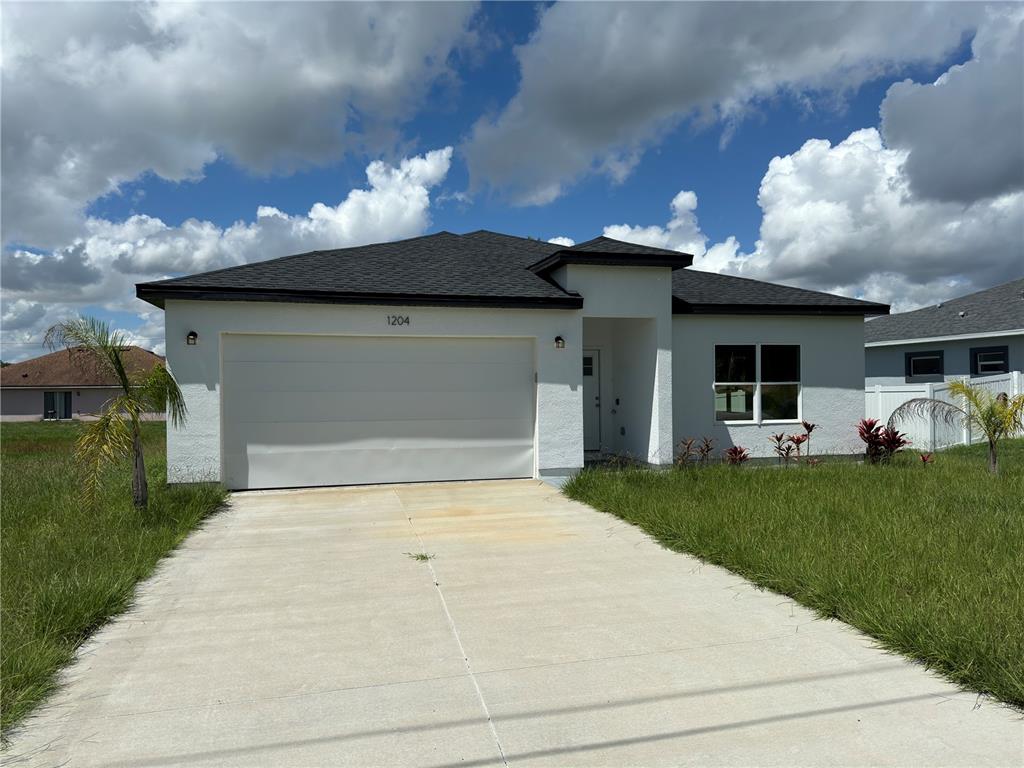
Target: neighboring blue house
(981,334)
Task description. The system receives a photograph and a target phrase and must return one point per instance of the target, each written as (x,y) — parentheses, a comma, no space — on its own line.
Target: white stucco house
(452,357)
(978,335)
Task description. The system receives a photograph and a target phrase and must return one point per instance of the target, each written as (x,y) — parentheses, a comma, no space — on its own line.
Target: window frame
(757,383)
(975,351)
(925,378)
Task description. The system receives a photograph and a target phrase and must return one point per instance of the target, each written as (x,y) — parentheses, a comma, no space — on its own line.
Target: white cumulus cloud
(96,94)
(601,82)
(844,218)
(109,257)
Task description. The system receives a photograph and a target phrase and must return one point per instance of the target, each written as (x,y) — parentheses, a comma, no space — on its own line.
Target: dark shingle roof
(480,268)
(996,309)
(707,292)
(607,245)
(608,252)
(74,368)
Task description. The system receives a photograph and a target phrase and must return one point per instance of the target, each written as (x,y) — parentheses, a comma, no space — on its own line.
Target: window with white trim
(987,361)
(757,383)
(925,366)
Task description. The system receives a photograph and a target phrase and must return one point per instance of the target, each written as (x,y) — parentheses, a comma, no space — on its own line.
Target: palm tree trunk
(140,488)
(993,461)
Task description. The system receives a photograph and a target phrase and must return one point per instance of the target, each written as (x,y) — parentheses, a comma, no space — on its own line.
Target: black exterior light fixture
(559,342)
(191,338)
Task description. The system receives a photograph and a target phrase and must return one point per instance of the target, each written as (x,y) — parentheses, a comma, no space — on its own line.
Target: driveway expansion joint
(455,633)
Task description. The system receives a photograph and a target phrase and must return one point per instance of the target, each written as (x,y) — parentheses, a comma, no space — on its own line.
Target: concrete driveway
(295,630)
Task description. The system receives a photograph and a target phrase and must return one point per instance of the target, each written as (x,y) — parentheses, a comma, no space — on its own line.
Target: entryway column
(660,446)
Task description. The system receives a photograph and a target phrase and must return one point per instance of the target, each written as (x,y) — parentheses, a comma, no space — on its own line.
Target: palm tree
(995,416)
(117,433)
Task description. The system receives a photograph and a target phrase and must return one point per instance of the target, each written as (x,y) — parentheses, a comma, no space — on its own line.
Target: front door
(591,400)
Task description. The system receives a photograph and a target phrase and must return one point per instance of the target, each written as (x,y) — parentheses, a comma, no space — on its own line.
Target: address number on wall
(398,320)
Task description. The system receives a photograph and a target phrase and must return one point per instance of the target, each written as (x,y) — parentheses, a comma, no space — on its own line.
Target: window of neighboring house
(757,382)
(56,405)
(924,366)
(986,361)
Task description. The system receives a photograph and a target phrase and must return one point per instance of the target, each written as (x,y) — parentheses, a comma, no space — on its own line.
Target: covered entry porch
(627,389)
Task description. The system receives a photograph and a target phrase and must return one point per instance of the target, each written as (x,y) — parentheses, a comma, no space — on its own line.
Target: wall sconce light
(559,342)
(191,338)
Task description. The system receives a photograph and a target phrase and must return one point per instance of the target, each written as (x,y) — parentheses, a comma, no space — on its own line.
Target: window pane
(992,362)
(734,402)
(925,365)
(735,362)
(779,401)
(780,362)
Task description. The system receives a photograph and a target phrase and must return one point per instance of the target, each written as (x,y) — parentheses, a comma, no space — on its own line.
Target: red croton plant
(882,442)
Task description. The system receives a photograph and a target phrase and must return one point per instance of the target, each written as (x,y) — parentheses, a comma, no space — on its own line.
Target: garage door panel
(322,410)
(438,376)
(352,467)
(264,437)
(372,349)
(274,407)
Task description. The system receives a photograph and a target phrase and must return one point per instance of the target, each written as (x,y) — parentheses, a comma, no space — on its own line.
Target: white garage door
(332,410)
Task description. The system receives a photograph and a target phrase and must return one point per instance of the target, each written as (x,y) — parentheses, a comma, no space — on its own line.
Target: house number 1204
(398,320)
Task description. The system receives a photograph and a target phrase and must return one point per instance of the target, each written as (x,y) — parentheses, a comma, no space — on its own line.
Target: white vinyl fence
(929,434)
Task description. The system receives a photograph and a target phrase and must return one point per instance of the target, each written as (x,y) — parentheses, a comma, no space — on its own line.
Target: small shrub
(707,445)
(796,441)
(926,459)
(808,428)
(686,451)
(882,443)
(736,455)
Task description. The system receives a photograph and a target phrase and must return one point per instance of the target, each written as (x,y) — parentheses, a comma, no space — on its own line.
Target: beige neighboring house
(64,385)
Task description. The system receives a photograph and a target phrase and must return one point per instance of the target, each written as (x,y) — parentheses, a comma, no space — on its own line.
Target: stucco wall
(832,378)
(886,365)
(628,360)
(630,312)
(27,404)
(194,449)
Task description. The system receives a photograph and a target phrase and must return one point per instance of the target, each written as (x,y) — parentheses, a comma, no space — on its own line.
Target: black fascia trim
(600,258)
(680,307)
(156,295)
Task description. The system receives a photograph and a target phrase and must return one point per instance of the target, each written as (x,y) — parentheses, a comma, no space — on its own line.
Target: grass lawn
(927,560)
(67,569)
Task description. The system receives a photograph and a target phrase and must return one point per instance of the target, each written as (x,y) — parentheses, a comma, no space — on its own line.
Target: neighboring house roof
(995,310)
(480,268)
(707,292)
(73,368)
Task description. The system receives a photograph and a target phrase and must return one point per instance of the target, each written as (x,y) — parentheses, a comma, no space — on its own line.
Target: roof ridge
(962,298)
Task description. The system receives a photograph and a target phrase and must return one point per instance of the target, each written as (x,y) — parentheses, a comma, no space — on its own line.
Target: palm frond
(158,391)
(102,442)
(104,345)
(928,408)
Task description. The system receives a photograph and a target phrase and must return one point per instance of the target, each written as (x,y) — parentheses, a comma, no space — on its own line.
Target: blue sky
(549,138)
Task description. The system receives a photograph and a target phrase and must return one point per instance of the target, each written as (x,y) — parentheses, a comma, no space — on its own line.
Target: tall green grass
(928,560)
(67,569)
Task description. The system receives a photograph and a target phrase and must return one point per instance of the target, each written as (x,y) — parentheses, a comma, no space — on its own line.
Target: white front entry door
(303,410)
(591,400)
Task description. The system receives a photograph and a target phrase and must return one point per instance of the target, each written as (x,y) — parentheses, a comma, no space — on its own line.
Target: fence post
(878,402)
(1017,388)
(968,438)
(929,392)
